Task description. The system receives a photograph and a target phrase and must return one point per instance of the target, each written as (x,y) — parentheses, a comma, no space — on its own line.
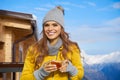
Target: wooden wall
(12,30)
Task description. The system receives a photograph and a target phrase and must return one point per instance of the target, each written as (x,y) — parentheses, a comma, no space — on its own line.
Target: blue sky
(94,24)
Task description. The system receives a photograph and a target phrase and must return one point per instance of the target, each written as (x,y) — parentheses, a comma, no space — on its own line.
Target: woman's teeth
(51,33)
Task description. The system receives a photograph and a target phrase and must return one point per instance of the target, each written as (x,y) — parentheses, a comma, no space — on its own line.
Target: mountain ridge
(99,59)
(103,69)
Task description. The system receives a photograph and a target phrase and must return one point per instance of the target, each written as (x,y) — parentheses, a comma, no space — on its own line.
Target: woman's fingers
(63,68)
(50,68)
(65,62)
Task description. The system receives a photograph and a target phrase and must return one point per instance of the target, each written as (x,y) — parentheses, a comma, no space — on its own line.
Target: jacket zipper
(56,59)
(53,72)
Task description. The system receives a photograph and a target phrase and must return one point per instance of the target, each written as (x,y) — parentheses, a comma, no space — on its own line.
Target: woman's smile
(51,33)
(52,30)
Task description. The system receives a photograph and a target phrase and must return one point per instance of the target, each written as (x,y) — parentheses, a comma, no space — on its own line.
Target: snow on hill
(99,59)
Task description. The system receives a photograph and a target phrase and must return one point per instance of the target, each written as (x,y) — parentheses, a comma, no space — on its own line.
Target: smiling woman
(52,30)
(54,56)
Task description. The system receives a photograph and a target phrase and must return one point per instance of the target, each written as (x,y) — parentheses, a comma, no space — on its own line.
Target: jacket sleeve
(28,69)
(76,61)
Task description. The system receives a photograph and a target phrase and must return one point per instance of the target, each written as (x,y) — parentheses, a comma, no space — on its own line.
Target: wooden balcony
(17,33)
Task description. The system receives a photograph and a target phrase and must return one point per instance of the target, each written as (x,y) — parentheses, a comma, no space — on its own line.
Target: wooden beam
(8,46)
(1,34)
(15,23)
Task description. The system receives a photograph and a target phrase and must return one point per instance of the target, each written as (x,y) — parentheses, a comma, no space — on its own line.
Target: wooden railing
(6,67)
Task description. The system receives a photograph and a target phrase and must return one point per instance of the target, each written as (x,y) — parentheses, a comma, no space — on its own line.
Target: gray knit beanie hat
(56,14)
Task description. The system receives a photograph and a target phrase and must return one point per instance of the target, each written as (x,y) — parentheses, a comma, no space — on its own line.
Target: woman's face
(52,30)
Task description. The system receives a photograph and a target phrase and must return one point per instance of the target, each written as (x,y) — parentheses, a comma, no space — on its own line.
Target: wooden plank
(8,46)
(1,33)
(2,53)
(11,65)
(15,23)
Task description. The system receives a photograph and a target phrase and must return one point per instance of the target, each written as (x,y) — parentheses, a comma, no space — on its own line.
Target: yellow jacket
(74,57)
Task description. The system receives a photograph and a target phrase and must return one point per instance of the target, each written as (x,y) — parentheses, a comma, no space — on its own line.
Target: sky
(93,24)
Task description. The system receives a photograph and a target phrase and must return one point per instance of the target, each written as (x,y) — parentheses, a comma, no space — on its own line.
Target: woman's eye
(46,25)
(55,25)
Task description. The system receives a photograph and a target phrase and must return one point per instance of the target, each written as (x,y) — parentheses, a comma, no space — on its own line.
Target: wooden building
(17,33)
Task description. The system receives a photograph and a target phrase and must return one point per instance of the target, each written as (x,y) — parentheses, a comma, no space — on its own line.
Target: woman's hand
(63,68)
(49,67)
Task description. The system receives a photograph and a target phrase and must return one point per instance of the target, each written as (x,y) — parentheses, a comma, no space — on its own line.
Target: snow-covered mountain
(99,59)
(106,71)
(101,67)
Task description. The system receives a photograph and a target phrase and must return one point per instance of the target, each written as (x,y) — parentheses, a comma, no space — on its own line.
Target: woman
(54,56)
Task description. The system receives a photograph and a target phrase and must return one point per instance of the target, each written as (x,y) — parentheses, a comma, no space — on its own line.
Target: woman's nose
(50,28)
